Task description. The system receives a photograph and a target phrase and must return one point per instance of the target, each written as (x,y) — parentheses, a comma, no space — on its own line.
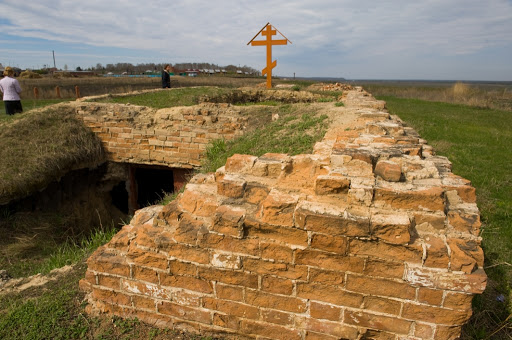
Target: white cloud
(215,31)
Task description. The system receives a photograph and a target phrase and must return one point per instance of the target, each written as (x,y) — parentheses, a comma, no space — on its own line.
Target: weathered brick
(393,228)
(182,268)
(283,303)
(229,220)
(111,296)
(189,253)
(240,163)
(266,231)
(226,321)
(108,262)
(229,277)
(277,317)
(229,292)
(425,277)
(429,199)
(337,329)
(187,282)
(231,186)
(331,185)
(423,331)
(330,224)
(232,308)
(255,193)
(276,285)
(410,253)
(335,244)
(380,287)
(230,244)
(326,277)
(432,297)
(324,311)
(279,269)
(363,319)
(329,261)
(447,333)
(465,255)
(388,171)
(141,288)
(319,336)
(269,330)
(382,305)
(277,208)
(143,302)
(276,252)
(436,315)
(463,221)
(329,294)
(457,301)
(437,253)
(381,268)
(184,312)
(189,230)
(144,274)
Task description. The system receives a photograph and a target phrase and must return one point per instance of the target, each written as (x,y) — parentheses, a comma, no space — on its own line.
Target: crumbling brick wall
(371,236)
(172,137)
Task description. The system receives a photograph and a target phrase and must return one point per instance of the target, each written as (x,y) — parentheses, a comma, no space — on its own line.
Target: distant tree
(65,67)
(79,68)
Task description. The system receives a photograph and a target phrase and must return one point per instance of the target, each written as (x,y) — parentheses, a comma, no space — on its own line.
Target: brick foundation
(371,236)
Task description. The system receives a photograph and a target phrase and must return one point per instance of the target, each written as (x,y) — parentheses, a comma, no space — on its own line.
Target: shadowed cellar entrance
(148,185)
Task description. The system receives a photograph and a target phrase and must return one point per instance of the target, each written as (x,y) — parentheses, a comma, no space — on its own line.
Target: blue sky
(354,39)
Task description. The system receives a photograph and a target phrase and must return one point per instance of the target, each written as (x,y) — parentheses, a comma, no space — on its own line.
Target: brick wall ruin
(370,237)
(172,137)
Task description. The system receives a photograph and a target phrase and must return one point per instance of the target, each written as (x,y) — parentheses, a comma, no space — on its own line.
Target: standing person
(11,92)
(166,77)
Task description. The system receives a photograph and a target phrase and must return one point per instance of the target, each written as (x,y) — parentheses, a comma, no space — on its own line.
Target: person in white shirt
(11,90)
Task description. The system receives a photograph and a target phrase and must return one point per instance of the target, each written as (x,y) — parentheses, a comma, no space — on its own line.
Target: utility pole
(55,67)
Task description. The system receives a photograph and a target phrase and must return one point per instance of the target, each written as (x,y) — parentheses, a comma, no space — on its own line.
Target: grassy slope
(477,141)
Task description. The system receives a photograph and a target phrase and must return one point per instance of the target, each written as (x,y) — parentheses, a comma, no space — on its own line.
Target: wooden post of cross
(268,31)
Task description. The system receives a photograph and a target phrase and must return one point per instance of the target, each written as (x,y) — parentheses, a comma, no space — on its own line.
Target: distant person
(11,90)
(166,77)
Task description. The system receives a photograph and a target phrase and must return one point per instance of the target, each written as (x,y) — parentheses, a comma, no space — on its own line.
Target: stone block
(388,171)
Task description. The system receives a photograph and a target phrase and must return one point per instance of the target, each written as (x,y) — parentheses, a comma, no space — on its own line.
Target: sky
(353,39)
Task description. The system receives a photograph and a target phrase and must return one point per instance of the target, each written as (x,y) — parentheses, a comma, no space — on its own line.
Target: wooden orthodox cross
(269,31)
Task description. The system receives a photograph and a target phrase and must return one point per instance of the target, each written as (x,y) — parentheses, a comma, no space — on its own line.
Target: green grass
(168,98)
(478,143)
(295,133)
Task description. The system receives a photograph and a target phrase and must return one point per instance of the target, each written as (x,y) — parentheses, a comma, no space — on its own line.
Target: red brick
(329,261)
(283,303)
(385,323)
(188,230)
(109,281)
(276,317)
(231,186)
(276,252)
(380,287)
(145,274)
(457,301)
(326,277)
(188,253)
(381,268)
(255,193)
(327,327)
(187,282)
(226,321)
(276,285)
(231,244)
(147,259)
(329,185)
(335,244)
(111,296)
(423,331)
(183,312)
(268,330)
(466,256)
(329,294)
(430,296)
(391,228)
(229,277)
(228,220)
(229,292)
(332,224)
(284,234)
(323,311)
(143,302)
(232,308)
(382,305)
(107,262)
(277,208)
(240,163)
(430,199)
(182,268)
(435,314)
(411,253)
(279,269)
